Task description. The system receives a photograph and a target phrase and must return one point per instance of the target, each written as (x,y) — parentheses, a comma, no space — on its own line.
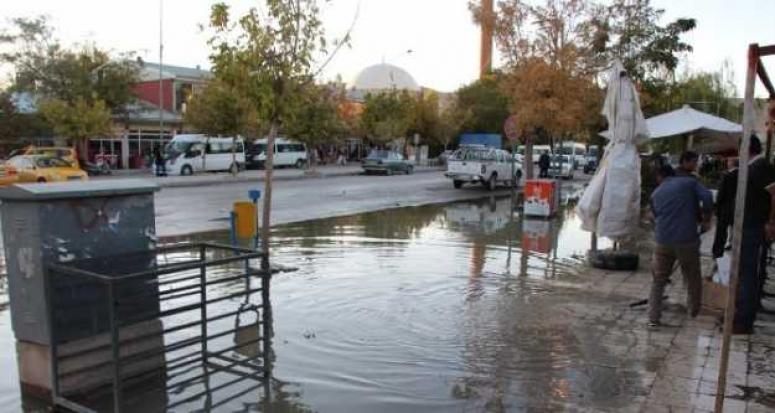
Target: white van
(188,154)
(577,151)
(286,153)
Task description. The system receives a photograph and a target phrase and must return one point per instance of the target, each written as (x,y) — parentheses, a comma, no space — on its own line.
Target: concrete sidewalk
(679,361)
(204,179)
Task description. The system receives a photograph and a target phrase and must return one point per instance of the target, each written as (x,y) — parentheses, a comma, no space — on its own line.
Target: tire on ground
(614,260)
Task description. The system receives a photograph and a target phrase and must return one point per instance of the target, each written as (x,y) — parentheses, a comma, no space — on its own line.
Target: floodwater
(442,308)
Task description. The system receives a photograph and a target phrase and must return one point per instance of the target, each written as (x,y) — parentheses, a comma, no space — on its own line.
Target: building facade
(153,119)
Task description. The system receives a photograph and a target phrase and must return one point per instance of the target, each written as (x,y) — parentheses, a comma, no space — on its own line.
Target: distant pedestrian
(158,161)
(677,203)
(544,161)
(341,160)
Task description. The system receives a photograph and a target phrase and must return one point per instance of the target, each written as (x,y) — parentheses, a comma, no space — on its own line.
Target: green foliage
(387,116)
(631,31)
(485,104)
(425,119)
(451,121)
(15,126)
(42,65)
(268,53)
(315,119)
(221,110)
(711,92)
(79,120)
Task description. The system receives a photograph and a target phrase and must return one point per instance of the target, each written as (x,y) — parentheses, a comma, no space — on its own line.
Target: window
(283,148)
(221,147)
(20,163)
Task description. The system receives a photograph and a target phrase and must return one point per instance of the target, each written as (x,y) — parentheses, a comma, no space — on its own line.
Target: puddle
(455,307)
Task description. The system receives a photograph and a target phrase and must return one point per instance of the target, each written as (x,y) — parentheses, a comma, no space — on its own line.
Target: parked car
(286,153)
(187,154)
(67,153)
(485,165)
(561,167)
(387,162)
(444,156)
(42,168)
(8,175)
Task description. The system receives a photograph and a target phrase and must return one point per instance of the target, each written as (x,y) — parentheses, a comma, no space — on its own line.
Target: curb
(245,179)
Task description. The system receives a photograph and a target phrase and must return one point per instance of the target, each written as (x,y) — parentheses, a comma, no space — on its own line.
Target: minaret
(487,22)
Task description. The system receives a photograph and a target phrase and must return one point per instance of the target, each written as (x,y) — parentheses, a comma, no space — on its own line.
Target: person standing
(758,226)
(725,211)
(158,161)
(544,161)
(677,203)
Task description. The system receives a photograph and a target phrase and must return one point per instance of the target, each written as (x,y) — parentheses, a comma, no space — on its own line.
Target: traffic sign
(511,129)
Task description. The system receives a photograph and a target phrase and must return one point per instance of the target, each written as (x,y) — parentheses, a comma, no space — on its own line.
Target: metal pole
(114,346)
(737,231)
(161,65)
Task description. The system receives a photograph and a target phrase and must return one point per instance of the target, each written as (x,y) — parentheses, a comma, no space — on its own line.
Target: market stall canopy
(688,120)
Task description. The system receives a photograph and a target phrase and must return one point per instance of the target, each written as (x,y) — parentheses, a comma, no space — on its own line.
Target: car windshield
(176,148)
(379,155)
(51,163)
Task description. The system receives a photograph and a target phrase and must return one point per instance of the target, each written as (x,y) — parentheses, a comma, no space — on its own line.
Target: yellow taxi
(43,168)
(8,175)
(66,153)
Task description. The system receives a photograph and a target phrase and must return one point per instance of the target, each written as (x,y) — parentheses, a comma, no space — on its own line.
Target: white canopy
(688,120)
(610,205)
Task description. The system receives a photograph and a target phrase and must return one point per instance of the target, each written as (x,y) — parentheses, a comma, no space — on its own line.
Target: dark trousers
(161,170)
(544,173)
(749,285)
(665,256)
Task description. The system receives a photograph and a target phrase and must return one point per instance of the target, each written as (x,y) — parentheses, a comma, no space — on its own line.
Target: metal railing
(163,317)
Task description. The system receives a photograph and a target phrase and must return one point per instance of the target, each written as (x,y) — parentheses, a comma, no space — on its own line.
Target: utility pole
(488,20)
(161,81)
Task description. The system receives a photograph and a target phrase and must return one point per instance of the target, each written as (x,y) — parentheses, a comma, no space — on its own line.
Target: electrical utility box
(62,222)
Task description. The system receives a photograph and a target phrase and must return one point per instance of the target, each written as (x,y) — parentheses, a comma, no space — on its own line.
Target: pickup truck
(481,164)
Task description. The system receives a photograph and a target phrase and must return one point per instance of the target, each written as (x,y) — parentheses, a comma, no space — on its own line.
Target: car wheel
(300,164)
(186,170)
(457,184)
(41,180)
(492,182)
(409,170)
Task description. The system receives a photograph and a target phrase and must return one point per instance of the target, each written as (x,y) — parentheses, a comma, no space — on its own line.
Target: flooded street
(457,307)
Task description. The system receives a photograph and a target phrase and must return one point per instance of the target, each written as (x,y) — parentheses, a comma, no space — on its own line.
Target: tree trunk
(266,219)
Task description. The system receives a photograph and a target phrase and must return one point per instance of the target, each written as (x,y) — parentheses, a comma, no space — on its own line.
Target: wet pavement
(467,307)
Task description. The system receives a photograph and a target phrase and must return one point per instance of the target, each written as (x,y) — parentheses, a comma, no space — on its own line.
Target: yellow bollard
(245,219)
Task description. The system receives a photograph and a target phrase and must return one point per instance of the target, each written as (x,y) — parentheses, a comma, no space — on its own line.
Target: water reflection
(435,308)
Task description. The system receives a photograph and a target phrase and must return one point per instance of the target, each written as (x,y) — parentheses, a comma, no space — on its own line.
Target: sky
(443,39)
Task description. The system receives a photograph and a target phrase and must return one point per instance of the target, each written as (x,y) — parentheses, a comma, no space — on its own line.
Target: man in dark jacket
(544,162)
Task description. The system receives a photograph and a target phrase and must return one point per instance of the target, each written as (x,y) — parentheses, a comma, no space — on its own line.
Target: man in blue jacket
(679,205)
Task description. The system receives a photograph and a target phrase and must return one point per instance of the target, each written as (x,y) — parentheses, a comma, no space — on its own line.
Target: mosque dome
(385,76)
